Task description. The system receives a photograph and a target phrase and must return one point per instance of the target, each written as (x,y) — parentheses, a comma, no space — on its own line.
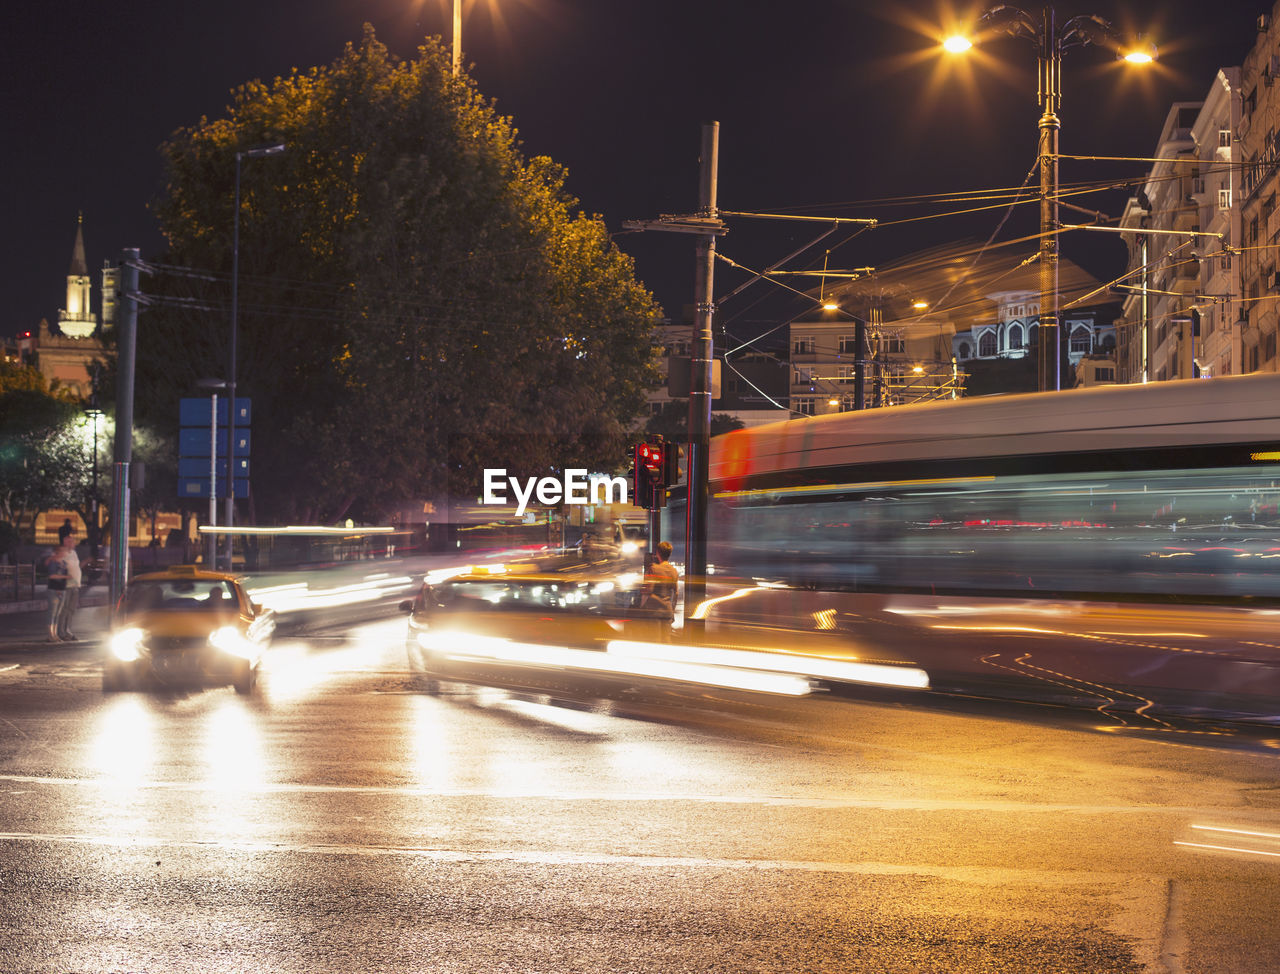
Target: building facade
(1182,293)
(1259,129)
(1015,326)
(905,361)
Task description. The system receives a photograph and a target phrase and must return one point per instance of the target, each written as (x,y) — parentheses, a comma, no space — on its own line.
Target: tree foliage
(417,299)
(43,462)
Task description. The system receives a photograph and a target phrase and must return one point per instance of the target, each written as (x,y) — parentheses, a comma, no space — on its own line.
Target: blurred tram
(1118,547)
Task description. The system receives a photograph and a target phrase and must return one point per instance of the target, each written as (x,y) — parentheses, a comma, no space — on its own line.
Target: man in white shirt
(72,600)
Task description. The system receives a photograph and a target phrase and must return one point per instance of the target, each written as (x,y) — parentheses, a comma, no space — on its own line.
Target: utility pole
(702,357)
(126,354)
(707,225)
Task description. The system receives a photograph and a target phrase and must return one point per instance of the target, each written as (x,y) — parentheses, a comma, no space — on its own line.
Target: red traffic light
(650,455)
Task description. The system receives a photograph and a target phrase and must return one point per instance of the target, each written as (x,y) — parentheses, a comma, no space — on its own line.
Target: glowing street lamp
(1050,41)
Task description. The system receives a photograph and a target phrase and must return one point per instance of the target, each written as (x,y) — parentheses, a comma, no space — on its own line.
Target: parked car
(184,625)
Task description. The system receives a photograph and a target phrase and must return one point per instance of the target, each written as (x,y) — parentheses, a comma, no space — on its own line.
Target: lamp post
(457,37)
(1050,41)
(255,153)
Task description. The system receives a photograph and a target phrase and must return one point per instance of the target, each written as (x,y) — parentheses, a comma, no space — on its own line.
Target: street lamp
(1050,41)
(457,37)
(255,153)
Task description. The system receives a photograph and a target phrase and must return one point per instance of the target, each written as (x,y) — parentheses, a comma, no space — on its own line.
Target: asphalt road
(341,820)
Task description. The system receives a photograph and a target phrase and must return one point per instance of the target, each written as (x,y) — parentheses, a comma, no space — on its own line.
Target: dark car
(184,625)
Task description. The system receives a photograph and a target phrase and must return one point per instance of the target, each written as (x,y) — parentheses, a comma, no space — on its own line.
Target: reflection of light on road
(123,743)
(813,667)
(431,748)
(1263,839)
(578,721)
(233,749)
(293,668)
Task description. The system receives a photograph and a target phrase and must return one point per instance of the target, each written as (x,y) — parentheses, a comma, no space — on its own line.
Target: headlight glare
(229,639)
(126,645)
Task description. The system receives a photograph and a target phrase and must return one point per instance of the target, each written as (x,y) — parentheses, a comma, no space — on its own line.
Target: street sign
(193,468)
(197,437)
(195,412)
(195,442)
(196,488)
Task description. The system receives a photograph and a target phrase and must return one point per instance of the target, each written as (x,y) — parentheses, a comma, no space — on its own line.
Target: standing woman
(56,563)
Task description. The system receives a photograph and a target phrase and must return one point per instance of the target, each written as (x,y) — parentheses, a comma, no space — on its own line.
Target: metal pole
(126,352)
(1050,69)
(860,363)
(457,37)
(211,543)
(702,357)
(229,519)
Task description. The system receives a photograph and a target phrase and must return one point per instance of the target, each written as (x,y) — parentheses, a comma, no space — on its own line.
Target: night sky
(827,107)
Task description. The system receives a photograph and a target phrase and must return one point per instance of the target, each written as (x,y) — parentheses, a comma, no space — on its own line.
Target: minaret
(77,320)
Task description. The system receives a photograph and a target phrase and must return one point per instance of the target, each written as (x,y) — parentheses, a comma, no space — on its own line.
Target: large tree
(417,299)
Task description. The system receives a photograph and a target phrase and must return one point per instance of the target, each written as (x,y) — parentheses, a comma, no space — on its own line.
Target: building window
(1081,340)
(1102,374)
(891,344)
(1269,347)
(803,346)
(803,405)
(846,374)
(966,350)
(848,346)
(1015,337)
(1224,138)
(987,345)
(848,404)
(1224,199)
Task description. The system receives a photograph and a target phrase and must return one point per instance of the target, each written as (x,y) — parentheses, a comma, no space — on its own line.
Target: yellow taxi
(184,625)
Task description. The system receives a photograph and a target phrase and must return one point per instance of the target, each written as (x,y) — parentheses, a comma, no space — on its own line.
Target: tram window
(1207,533)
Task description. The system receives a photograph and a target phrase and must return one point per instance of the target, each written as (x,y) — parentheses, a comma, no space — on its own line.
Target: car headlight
(229,639)
(126,645)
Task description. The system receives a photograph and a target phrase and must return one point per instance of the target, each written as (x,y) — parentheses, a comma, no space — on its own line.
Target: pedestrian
(661,587)
(56,565)
(71,597)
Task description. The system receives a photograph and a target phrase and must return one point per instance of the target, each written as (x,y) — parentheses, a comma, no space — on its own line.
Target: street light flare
(957,44)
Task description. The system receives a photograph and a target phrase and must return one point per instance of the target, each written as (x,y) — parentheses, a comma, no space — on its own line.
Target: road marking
(987,875)
(784,801)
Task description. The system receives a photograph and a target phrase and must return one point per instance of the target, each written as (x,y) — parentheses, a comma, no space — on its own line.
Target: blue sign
(197,439)
(195,412)
(196,442)
(193,468)
(199,487)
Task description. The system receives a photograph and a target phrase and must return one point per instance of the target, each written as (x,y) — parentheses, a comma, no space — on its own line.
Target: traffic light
(671,455)
(647,475)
